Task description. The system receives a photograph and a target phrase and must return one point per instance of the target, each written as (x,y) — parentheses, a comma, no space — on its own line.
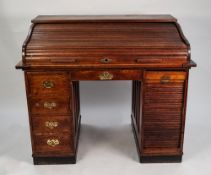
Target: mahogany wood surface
(150,50)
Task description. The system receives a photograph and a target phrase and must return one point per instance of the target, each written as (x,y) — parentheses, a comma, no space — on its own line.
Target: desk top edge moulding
(150,50)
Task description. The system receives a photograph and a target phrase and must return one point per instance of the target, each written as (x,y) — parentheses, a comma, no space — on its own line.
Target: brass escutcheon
(49,105)
(106,76)
(105,60)
(51,125)
(48,84)
(52,142)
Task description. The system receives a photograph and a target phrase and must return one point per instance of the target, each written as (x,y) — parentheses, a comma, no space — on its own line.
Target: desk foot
(160,159)
(54,160)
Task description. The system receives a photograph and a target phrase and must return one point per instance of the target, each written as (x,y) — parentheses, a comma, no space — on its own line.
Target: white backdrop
(105,146)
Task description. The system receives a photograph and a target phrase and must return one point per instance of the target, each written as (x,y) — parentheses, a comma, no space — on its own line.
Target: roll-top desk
(150,50)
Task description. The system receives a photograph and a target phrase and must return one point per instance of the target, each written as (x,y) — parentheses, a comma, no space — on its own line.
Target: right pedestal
(158,115)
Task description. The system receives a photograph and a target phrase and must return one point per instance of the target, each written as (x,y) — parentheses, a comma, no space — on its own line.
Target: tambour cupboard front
(150,50)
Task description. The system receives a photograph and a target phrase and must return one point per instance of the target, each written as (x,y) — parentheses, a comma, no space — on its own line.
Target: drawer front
(47,83)
(53,144)
(52,124)
(50,105)
(165,76)
(107,75)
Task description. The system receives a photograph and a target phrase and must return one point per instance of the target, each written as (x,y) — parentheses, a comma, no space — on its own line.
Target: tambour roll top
(106,41)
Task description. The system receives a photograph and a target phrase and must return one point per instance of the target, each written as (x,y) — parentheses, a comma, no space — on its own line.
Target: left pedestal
(54,116)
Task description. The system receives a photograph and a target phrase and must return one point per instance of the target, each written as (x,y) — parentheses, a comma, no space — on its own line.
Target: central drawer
(107,74)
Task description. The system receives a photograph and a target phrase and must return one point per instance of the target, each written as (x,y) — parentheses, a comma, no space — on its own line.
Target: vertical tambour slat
(136,102)
(162,116)
(133,97)
(76,103)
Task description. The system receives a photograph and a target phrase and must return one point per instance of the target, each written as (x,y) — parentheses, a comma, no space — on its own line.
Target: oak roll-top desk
(150,50)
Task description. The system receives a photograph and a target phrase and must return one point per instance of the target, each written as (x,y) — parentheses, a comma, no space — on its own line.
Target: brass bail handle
(106,76)
(165,79)
(51,124)
(48,84)
(53,142)
(49,105)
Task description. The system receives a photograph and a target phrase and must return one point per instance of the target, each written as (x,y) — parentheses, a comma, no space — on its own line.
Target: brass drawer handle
(165,79)
(106,76)
(51,125)
(48,84)
(105,60)
(49,105)
(53,142)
